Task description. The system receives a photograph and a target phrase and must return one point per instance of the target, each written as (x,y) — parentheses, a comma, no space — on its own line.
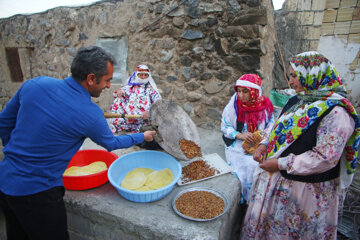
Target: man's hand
(260,153)
(145,115)
(148,135)
(270,165)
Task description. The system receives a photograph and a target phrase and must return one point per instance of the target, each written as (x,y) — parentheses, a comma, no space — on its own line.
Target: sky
(277,4)
(12,7)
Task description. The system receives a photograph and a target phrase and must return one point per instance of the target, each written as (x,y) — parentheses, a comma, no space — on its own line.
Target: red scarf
(254,112)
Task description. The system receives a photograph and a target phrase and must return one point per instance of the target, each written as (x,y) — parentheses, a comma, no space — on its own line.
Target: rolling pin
(115,115)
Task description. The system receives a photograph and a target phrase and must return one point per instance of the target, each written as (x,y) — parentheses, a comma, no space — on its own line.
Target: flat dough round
(133,180)
(146,179)
(144,188)
(146,171)
(159,179)
(92,168)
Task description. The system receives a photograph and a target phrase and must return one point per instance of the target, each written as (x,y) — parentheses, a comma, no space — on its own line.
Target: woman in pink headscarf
(247,111)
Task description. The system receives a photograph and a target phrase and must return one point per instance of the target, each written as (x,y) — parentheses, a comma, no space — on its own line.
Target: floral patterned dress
(284,209)
(135,101)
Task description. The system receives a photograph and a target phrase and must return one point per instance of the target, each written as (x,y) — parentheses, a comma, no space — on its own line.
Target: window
(13,61)
(118,47)
(19,61)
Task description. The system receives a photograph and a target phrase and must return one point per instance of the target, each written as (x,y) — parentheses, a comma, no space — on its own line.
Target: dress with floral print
(135,101)
(284,209)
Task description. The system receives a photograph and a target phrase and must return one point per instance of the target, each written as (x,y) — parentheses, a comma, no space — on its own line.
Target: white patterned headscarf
(135,80)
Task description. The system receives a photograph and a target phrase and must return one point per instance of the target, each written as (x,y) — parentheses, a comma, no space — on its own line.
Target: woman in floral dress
(308,157)
(135,98)
(247,111)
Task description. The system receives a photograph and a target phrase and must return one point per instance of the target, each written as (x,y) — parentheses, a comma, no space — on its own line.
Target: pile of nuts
(250,147)
(196,170)
(190,149)
(200,204)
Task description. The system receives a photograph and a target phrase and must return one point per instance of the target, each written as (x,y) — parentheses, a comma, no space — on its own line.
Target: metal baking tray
(217,193)
(214,161)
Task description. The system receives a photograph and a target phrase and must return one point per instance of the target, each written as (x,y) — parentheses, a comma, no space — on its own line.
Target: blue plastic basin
(146,159)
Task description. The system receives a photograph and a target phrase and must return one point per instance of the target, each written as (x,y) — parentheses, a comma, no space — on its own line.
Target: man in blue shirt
(41,128)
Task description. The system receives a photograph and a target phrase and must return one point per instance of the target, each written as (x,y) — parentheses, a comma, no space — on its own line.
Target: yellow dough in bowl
(159,179)
(133,180)
(144,188)
(92,168)
(146,179)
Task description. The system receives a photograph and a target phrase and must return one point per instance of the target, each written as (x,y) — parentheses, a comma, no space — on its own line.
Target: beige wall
(340,41)
(331,27)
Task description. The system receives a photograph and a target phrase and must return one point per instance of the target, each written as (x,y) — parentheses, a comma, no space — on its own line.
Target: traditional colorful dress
(301,200)
(256,115)
(137,97)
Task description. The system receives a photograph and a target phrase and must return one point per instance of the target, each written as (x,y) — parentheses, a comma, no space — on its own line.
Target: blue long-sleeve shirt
(43,126)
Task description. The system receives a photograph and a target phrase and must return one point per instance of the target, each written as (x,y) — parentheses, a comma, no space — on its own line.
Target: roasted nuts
(248,147)
(196,170)
(190,149)
(200,204)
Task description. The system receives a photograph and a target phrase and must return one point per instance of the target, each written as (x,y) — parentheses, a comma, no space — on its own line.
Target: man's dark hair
(90,60)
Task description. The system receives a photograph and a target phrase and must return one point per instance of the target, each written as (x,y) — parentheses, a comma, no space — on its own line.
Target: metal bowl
(217,193)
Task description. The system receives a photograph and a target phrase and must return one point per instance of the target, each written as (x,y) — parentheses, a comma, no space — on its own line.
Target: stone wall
(331,27)
(196,49)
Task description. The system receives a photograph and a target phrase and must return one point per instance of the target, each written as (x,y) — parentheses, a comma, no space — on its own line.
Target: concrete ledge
(102,213)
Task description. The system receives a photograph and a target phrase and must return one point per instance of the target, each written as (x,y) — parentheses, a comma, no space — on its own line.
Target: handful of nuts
(248,147)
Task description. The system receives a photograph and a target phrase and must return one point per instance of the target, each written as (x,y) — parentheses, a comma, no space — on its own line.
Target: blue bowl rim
(170,185)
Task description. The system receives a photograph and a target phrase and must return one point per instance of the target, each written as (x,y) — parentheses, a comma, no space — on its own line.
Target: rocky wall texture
(196,49)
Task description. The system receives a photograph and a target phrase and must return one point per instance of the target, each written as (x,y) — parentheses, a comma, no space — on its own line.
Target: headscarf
(135,80)
(252,112)
(323,88)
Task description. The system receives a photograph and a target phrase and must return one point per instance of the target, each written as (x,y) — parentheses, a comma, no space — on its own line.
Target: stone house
(196,49)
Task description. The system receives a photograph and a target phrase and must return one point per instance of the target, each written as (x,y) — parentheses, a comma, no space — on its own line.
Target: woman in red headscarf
(247,112)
